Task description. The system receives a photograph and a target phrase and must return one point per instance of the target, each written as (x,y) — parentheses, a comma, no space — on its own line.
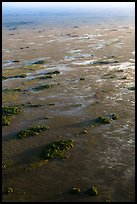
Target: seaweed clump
(105,120)
(8,112)
(92,191)
(75,190)
(57,150)
(9,190)
(39,62)
(46,86)
(31,131)
(54,72)
(4,77)
(45,77)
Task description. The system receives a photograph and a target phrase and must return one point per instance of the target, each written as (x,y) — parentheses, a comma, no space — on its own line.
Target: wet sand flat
(96,77)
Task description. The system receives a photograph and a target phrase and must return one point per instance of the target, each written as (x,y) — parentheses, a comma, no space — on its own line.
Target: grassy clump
(77,105)
(75,190)
(46,86)
(6,120)
(45,77)
(54,72)
(11,110)
(106,61)
(39,62)
(103,120)
(84,131)
(114,116)
(57,149)
(51,104)
(4,77)
(37,164)
(11,90)
(8,112)
(31,131)
(92,191)
(18,76)
(35,105)
(9,190)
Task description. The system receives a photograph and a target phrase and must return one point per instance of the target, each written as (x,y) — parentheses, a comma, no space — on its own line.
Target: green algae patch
(4,77)
(114,116)
(45,77)
(39,62)
(93,191)
(75,190)
(34,105)
(108,61)
(6,120)
(54,72)
(11,110)
(36,165)
(18,76)
(77,105)
(8,113)
(31,131)
(46,86)
(84,131)
(105,120)
(9,190)
(57,150)
(51,104)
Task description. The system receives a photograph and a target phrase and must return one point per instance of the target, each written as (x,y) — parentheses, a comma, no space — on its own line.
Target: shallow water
(83,91)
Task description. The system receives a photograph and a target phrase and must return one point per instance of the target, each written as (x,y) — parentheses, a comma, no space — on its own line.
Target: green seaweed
(31,131)
(8,112)
(18,76)
(57,149)
(92,191)
(4,77)
(103,120)
(37,164)
(77,105)
(46,86)
(6,120)
(114,116)
(11,90)
(51,104)
(39,62)
(84,131)
(9,190)
(11,110)
(106,61)
(54,72)
(123,78)
(45,77)
(75,190)
(35,105)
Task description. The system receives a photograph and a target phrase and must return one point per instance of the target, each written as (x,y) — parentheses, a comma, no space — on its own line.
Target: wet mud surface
(91,74)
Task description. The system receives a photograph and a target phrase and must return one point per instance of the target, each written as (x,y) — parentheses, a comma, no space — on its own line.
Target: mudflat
(79,83)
